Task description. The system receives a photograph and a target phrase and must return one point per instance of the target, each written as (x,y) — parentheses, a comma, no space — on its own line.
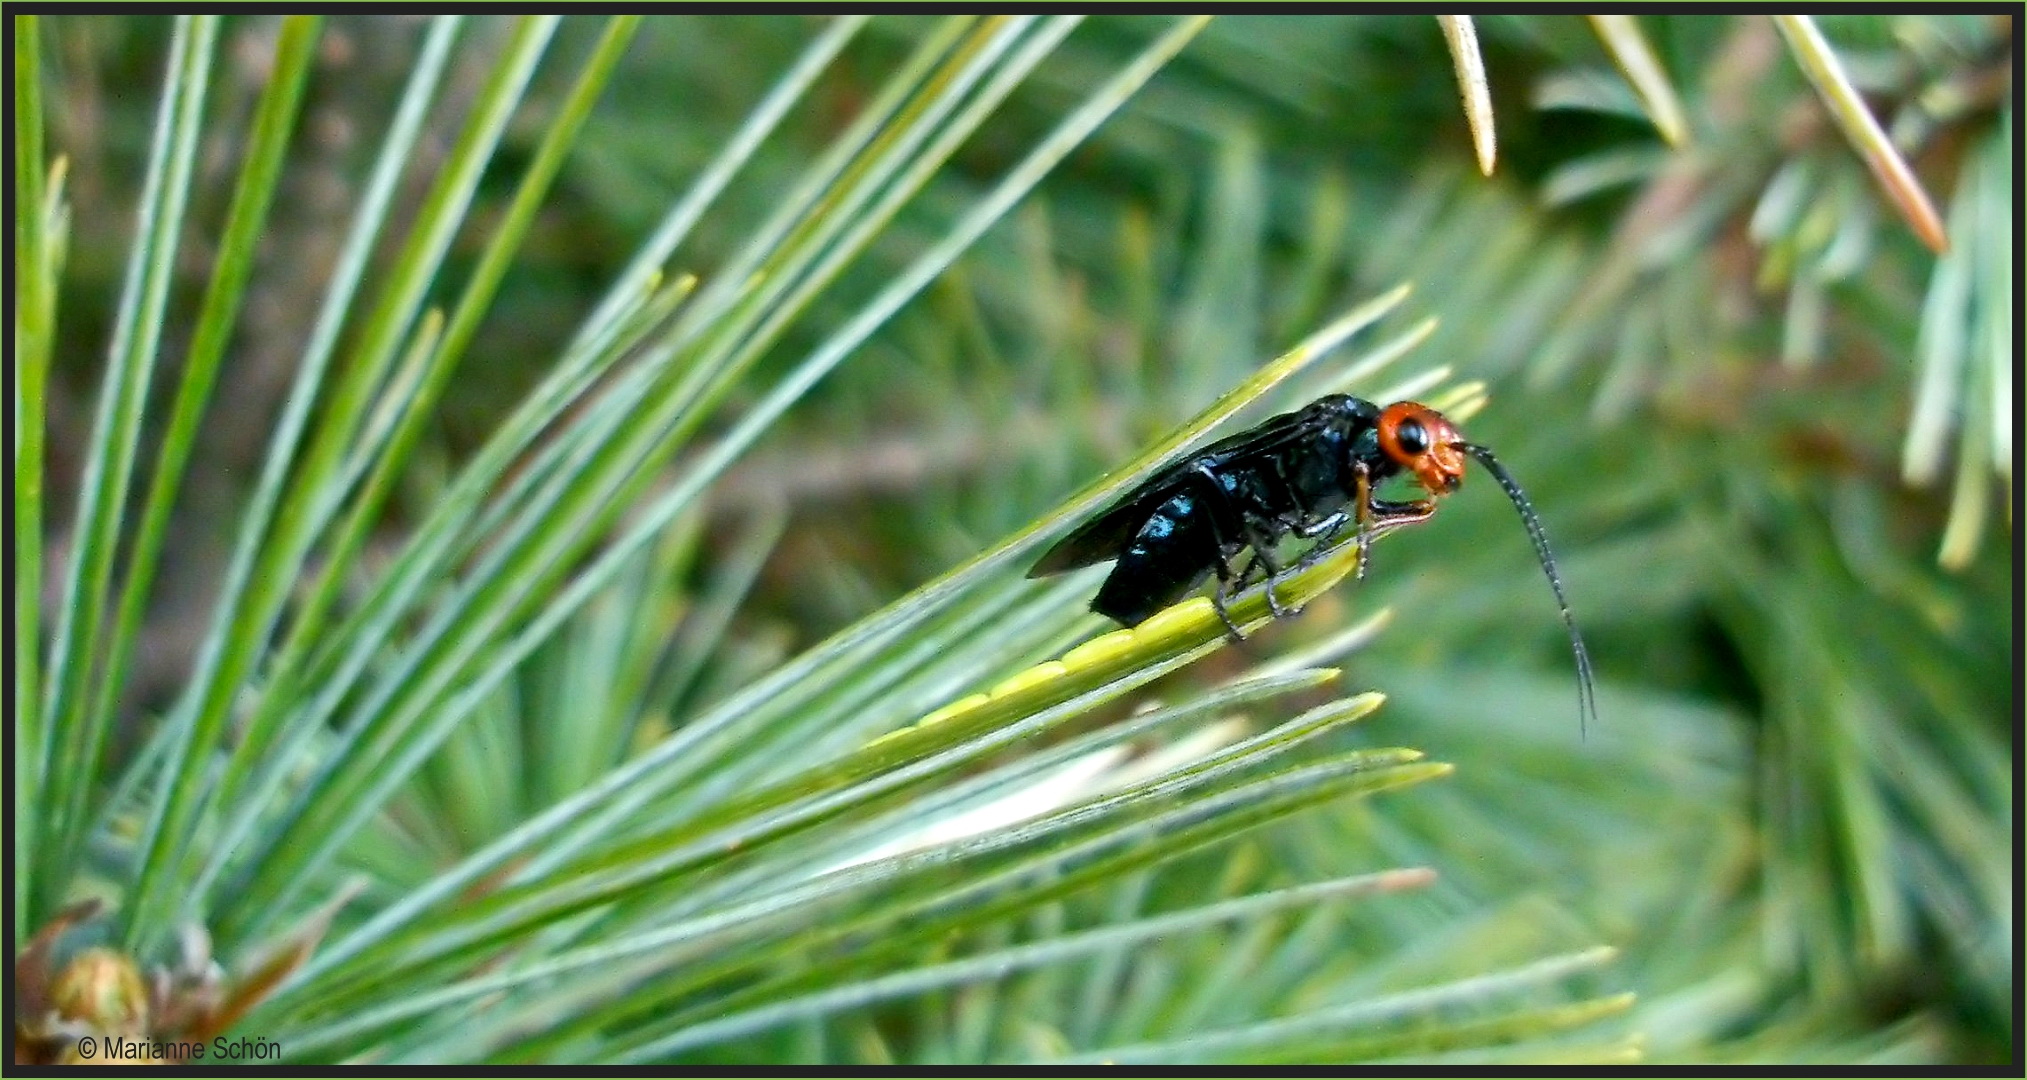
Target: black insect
(1311,473)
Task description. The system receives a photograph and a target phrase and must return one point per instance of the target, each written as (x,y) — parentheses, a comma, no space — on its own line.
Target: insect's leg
(1265,560)
(1267,571)
(1259,555)
(1258,544)
(1391,515)
(1219,598)
(1361,504)
(1375,514)
(1321,531)
(1218,498)
(1292,521)
(1323,527)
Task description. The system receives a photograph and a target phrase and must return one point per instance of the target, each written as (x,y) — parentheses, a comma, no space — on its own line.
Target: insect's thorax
(1307,482)
(1327,476)
(1348,440)
(1319,480)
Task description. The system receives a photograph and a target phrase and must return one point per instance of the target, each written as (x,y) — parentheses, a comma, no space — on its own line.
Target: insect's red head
(1423,443)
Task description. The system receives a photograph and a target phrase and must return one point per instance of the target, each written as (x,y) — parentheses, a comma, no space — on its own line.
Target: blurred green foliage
(1795,821)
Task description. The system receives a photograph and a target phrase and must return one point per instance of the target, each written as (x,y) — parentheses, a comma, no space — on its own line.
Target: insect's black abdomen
(1130,594)
(1171,554)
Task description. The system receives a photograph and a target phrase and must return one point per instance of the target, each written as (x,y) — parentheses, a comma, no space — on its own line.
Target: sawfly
(1312,473)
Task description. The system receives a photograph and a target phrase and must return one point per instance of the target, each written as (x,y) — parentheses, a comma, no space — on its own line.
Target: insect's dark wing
(1105,536)
(1271,435)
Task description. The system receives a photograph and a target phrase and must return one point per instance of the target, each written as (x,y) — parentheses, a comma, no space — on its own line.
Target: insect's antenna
(1587,704)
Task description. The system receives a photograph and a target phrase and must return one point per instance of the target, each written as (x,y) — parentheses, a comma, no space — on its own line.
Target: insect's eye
(1412,438)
